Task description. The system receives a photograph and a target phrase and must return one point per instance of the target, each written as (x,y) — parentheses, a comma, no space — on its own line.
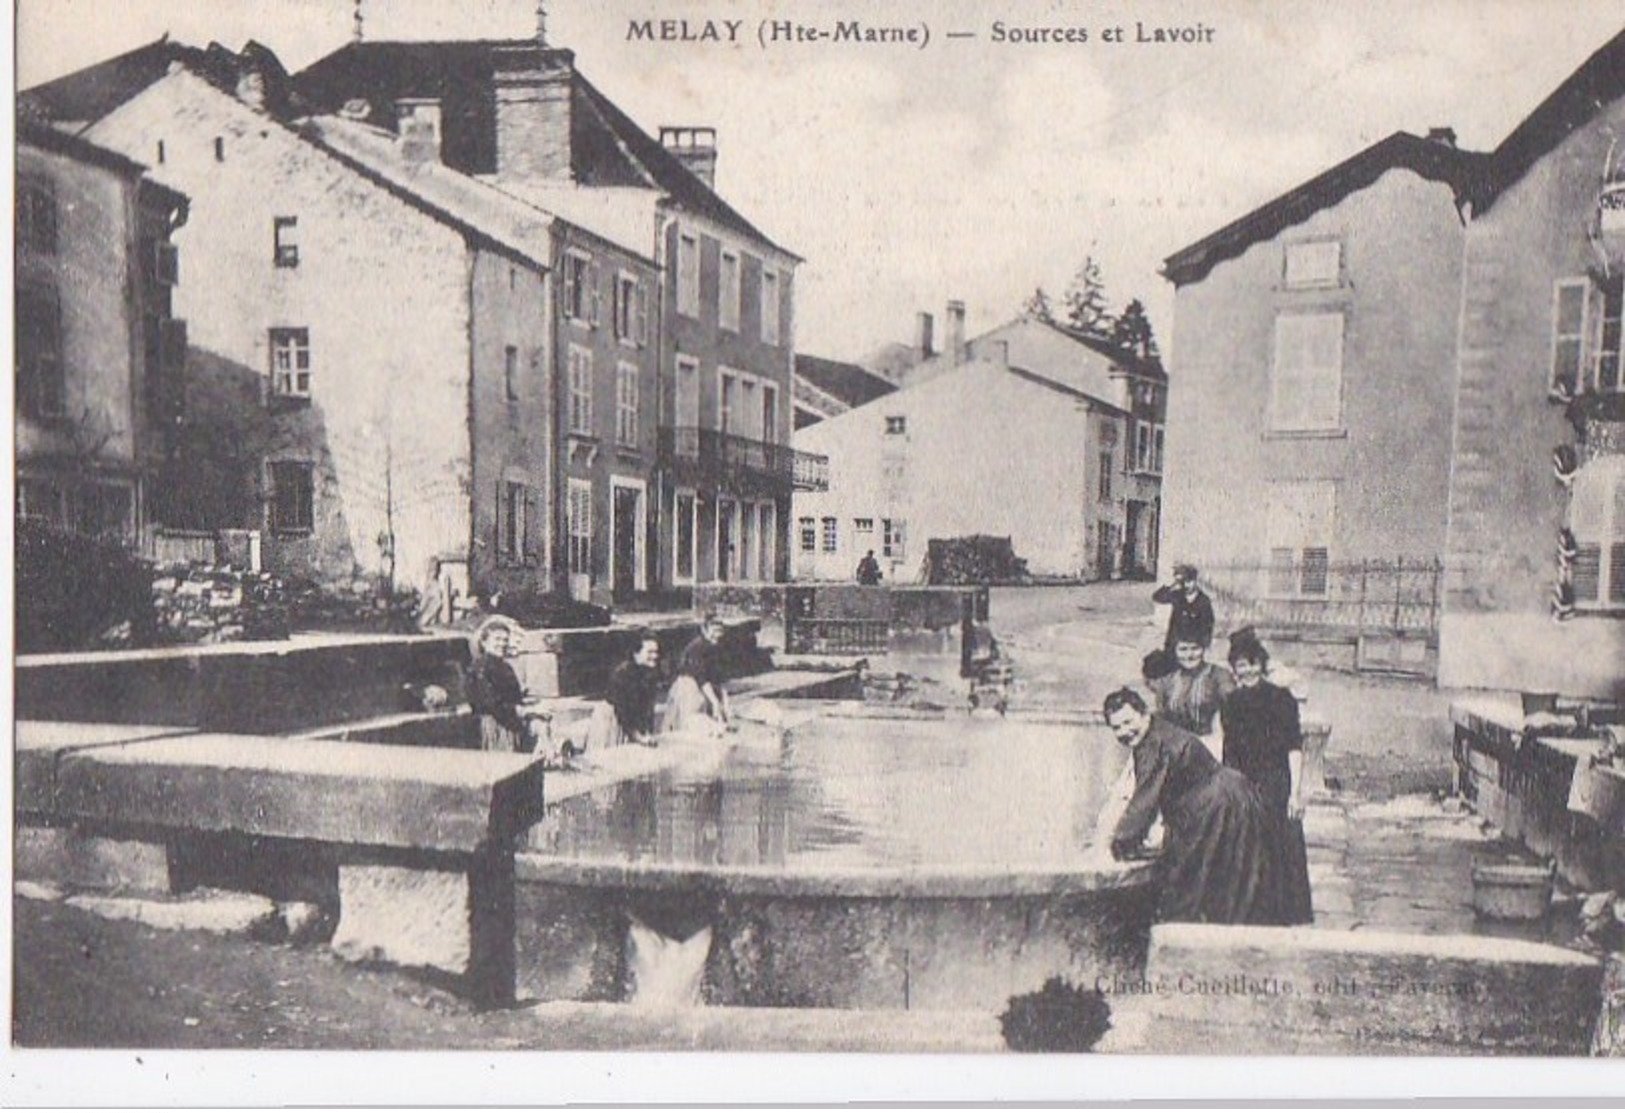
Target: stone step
(1377,987)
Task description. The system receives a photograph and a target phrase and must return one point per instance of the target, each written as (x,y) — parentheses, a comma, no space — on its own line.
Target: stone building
(1120,529)
(1536,526)
(521,115)
(368,354)
(97,346)
(826,387)
(1315,346)
(1004,441)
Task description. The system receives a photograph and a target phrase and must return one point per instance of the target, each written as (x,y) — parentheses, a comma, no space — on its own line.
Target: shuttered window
(1306,390)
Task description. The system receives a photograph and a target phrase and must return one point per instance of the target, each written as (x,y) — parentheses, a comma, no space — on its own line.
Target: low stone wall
(829,950)
(1426,993)
(211,605)
(1523,786)
(761,601)
(258,689)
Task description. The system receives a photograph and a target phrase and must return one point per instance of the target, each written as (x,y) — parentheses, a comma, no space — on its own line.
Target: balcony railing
(717,456)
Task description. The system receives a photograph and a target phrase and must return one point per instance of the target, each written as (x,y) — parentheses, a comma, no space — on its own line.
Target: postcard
(968,550)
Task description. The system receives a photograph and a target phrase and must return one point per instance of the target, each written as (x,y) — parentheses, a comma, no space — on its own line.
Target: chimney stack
(695,148)
(1445,135)
(533,88)
(923,327)
(956,332)
(418,124)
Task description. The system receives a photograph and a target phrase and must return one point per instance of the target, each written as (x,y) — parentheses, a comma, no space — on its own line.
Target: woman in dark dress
(1263,740)
(494,692)
(1190,696)
(1217,865)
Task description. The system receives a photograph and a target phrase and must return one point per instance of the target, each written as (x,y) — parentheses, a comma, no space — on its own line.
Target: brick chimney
(1445,135)
(532,87)
(418,122)
(956,332)
(923,327)
(695,148)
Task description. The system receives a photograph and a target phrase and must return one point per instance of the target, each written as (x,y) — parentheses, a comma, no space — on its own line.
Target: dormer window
(896,426)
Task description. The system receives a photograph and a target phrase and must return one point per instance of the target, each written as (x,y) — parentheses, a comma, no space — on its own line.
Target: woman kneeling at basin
(1217,863)
(697,701)
(627,714)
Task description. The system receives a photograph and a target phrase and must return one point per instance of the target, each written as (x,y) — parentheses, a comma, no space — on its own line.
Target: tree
(1132,331)
(1086,300)
(1039,306)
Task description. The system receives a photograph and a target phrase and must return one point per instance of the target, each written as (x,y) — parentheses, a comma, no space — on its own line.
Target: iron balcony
(712,456)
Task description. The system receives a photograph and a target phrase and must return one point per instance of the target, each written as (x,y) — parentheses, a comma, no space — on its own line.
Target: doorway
(726,543)
(626,538)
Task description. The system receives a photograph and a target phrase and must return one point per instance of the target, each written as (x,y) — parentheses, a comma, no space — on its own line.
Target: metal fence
(1358,597)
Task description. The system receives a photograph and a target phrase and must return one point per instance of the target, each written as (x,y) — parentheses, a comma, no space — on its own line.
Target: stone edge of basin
(1455,948)
(791,883)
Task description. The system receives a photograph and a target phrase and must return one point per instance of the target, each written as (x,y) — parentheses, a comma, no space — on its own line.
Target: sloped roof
(607,147)
(446,193)
(1130,361)
(1433,160)
(1598,82)
(846,382)
(88,94)
(623,216)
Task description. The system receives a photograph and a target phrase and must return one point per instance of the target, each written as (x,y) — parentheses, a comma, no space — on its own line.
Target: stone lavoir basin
(851,860)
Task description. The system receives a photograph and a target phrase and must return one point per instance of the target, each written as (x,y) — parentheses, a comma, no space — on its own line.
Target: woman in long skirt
(1217,862)
(1264,741)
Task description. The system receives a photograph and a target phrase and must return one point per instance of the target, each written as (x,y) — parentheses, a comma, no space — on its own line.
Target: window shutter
(570,287)
(595,294)
(640,324)
(1569,306)
(533,527)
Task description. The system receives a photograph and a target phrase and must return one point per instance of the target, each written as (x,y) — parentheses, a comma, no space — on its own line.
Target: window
(686,534)
(688,393)
(808,528)
(831,536)
(626,405)
(1307,387)
(863,525)
(511,500)
(891,538)
(1313,264)
(285,241)
(1609,377)
(219,148)
(292,498)
(290,362)
(1569,313)
(579,513)
(166,263)
(896,426)
(1106,476)
(36,216)
(581,297)
(767,517)
(1299,534)
(770,307)
(728,290)
(1148,447)
(1597,520)
(631,310)
(41,383)
(727,396)
(580,391)
(770,414)
(688,274)
(510,372)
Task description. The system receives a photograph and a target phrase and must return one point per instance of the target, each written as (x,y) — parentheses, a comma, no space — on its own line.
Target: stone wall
(256,690)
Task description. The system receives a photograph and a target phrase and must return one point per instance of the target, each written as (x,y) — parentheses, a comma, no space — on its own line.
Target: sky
(969,169)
